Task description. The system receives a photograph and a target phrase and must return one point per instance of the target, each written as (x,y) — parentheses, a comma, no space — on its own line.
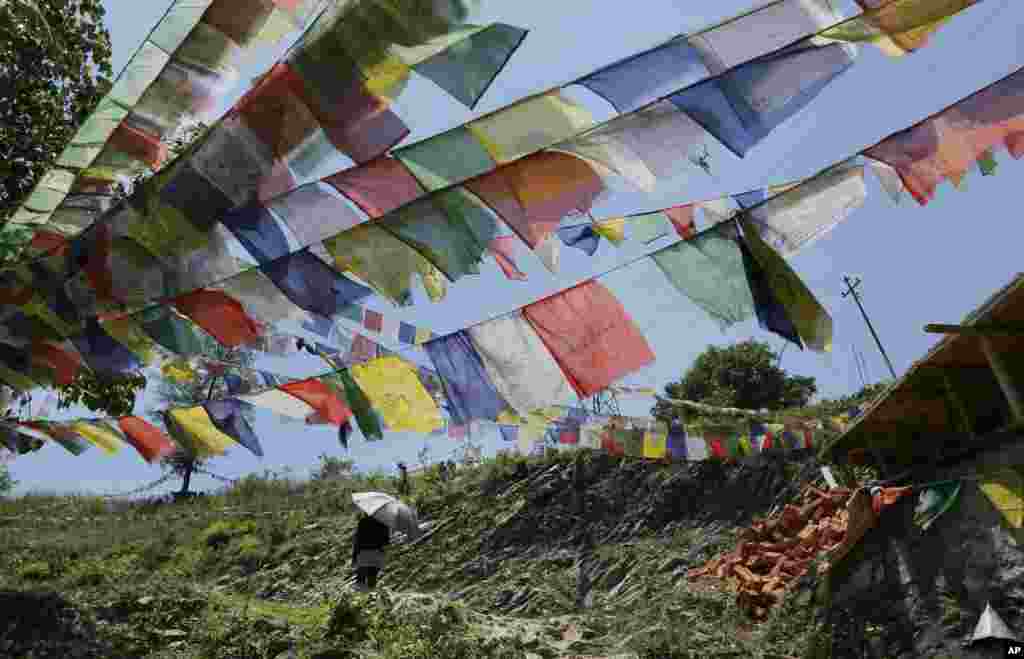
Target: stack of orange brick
(771,554)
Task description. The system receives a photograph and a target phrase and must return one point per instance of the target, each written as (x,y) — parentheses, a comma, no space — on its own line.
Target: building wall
(927,589)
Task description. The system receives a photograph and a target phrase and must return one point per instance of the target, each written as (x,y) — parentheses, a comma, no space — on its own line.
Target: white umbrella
(389,510)
(990,625)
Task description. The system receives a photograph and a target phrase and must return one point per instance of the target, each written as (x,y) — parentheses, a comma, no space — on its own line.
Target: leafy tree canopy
(744,375)
(54,69)
(112,395)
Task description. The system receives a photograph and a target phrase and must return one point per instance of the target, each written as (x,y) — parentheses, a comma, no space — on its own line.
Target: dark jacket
(370,534)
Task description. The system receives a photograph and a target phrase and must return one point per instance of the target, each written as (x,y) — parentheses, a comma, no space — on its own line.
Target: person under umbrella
(372,536)
(380,513)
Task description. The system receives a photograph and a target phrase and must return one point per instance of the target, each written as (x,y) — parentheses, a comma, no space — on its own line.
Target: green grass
(261,568)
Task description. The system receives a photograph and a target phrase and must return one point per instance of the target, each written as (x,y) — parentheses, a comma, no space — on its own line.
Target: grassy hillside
(509,568)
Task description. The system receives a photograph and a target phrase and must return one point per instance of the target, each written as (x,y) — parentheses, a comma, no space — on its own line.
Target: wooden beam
(1006,383)
(981,329)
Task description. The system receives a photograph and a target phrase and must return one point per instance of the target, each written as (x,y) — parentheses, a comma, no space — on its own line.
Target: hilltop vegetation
(508,568)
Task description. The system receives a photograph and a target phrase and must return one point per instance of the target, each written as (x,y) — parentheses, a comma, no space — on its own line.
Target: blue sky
(919,265)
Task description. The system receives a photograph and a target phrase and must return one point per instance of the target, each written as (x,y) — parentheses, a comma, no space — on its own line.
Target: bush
(35,571)
(220,533)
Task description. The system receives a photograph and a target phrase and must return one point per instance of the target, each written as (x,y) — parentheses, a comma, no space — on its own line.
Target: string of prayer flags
(319,91)
(182,68)
(457,260)
(945,145)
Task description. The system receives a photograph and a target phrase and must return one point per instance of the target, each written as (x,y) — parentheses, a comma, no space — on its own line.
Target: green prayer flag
(366,417)
(708,269)
(987,163)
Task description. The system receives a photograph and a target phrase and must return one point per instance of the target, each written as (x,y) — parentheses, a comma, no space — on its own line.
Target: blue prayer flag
(469,389)
(228,416)
(312,285)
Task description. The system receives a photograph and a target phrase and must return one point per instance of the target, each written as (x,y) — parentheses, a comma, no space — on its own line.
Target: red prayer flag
(568,437)
(682,219)
(49,242)
(139,145)
(220,315)
(275,113)
(151,443)
(533,194)
(717,446)
(609,445)
(373,321)
(64,363)
(321,398)
(947,144)
(501,247)
(379,186)
(590,335)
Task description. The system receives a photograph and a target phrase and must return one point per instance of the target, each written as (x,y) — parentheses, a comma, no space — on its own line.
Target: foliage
(7,482)
(110,394)
(54,68)
(262,569)
(744,375)
(185,460)
(332,468)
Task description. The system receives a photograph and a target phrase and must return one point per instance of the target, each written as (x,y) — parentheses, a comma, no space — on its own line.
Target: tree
(112,395)
(196,391)
(7,483)
(744,375)
(54,69)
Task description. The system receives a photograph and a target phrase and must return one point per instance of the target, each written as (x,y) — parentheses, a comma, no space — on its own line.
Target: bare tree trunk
(186,479)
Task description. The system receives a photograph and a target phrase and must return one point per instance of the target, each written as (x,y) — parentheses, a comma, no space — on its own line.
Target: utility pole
(852,285)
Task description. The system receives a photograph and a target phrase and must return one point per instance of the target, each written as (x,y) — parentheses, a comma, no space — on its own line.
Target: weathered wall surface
(923,591)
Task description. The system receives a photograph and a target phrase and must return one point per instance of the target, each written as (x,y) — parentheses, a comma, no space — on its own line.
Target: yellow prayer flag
(98,435)
(1005,489)
(509,417)
(394,389)
(614,230)
(530,125)
(178,371)
(199,430)
(655,444)
(387,77)
(128,333)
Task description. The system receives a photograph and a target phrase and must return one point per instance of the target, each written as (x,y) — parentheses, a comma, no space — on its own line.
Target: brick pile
(771,554)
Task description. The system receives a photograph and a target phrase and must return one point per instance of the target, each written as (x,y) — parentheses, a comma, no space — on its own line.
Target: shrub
(35,571)
(221,532)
